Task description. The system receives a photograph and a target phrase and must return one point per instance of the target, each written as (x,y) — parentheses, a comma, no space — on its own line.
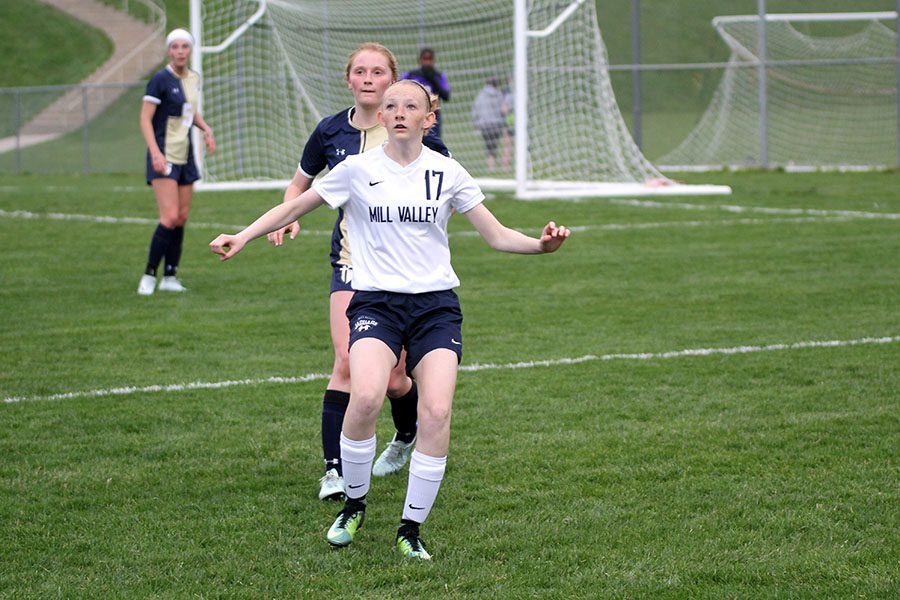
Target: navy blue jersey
(176,102)
(334,139)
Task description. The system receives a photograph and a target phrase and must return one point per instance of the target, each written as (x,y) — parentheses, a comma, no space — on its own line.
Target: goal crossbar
(813,98)
(271,68)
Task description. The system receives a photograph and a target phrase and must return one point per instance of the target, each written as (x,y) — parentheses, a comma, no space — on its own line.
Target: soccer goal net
(273,68)
(829,101)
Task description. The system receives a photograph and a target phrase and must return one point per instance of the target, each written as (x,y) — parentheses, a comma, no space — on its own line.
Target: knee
(437,417)
(178,217)
(366,402)
(172,219)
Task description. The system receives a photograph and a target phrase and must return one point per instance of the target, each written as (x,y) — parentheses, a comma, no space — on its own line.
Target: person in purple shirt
(433,80)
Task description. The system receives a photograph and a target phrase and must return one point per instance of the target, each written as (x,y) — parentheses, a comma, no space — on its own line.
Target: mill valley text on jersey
(433,179)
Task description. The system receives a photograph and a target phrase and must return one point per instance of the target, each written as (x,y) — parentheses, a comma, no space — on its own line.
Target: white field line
(12,189)
(172,387)
(24,214)
(811,212)
(677,224)
(200,385)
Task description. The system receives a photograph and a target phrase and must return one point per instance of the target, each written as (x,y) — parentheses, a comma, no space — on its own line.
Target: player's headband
(179,35)
(424,89)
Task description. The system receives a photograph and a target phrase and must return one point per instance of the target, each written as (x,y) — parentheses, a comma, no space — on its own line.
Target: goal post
(830,98)
(273,68)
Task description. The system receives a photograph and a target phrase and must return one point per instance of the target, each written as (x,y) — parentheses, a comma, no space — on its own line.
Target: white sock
(425,476)
(356,462)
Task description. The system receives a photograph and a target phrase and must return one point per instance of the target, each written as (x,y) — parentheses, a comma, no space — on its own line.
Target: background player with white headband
(398,200)
(167,115)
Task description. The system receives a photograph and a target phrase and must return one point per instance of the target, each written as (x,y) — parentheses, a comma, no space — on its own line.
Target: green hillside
(66,50)
(676,31)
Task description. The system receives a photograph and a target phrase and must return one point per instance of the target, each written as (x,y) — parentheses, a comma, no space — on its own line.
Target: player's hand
(210,140)
(226,246)
(553,237)
(277,237)
(158,161)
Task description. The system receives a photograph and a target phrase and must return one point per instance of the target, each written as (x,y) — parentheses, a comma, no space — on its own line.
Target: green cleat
(348,522)
(409,542)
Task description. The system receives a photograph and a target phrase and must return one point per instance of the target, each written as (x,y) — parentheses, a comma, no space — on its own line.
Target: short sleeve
(156,90)
(334,187)
(466,193)
(313,160)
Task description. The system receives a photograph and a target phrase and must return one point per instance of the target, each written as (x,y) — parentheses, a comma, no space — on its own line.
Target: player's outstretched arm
(299,184)
(227,246)
(502,238)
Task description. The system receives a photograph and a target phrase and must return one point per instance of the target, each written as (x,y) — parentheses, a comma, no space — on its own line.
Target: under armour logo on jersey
(340,151)
(365,323)
(175,90)
(346,274)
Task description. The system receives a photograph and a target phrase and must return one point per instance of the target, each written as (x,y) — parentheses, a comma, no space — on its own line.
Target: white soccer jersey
(397,218)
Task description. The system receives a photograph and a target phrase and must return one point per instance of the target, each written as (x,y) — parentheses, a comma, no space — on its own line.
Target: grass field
(696,398)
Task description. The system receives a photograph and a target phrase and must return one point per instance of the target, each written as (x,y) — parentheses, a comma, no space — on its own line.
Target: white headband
(179,34)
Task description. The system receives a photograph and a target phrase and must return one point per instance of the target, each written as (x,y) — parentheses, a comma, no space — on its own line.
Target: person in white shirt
(398,199)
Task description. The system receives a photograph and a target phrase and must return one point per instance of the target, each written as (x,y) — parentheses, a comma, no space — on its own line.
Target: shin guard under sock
(334,405)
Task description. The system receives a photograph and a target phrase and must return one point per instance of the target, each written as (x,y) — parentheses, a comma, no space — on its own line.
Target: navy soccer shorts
(418,322)
(185,174)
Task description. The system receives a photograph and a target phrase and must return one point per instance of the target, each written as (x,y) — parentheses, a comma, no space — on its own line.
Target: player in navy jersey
(398,200)
(370,69)
(168,113)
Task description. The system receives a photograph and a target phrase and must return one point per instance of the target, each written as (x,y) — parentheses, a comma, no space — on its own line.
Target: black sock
(173,252)
(403,411)
(159,243)
(334,405)
(408,526)
(355,503)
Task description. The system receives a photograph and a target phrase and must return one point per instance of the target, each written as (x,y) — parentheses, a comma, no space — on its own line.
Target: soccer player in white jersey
(370,70)
(398,199)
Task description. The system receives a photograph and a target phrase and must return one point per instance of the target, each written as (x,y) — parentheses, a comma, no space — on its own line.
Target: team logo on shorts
(365,324)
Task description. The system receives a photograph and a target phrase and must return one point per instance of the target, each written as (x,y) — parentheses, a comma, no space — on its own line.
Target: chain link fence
(81,137)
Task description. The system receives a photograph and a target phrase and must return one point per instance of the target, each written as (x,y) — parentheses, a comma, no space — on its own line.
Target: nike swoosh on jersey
(375,182)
